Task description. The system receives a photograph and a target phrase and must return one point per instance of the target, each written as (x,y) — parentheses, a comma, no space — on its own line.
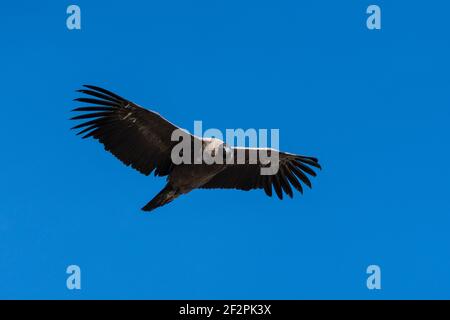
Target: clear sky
(373,106)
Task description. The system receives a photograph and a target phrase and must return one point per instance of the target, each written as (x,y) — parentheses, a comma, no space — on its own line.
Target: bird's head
(217,152)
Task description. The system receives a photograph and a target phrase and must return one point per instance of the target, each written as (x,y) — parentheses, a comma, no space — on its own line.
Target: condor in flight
(142,139)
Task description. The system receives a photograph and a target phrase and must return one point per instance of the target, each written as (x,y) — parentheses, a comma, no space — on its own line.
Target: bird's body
(187,177)
(144,140)
(183,179)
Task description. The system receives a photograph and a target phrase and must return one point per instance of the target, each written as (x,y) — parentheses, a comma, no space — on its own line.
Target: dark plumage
(141,138)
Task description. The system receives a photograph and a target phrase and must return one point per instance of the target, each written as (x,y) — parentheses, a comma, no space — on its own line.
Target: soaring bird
(142,139)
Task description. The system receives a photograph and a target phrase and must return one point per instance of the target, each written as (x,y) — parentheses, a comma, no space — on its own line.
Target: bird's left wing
(136,136)
(246,175)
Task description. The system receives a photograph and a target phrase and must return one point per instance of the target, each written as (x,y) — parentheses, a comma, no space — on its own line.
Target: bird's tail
(166,195)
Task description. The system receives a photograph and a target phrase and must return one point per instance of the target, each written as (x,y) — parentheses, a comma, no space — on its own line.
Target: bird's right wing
(136,136)
(247,174)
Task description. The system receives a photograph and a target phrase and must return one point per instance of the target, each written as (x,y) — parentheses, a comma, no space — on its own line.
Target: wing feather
(246,176)
(138,137)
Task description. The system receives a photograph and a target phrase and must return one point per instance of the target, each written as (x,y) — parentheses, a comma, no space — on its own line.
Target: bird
(142,138)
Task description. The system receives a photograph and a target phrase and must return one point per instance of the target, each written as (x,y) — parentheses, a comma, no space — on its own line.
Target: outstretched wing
(136,136)
(246,175)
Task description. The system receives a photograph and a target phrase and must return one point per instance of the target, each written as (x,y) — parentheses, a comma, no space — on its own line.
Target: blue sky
(373,106)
